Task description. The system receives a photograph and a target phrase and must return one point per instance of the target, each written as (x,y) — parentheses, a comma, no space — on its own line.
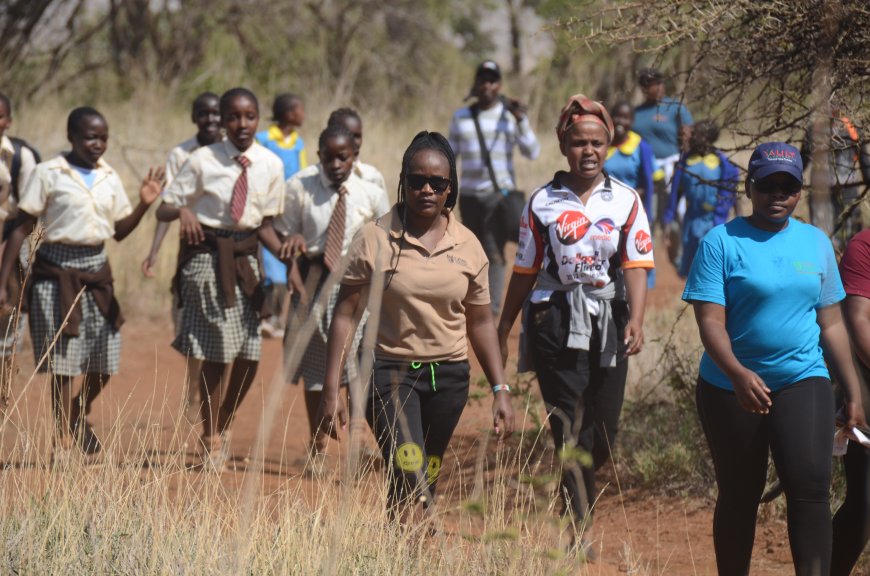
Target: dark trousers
(413,410)
(852,521)
(798,431)
(479,216)
(583,399)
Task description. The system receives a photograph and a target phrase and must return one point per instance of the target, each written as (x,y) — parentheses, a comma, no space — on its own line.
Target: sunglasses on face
(792,188)
(417,181)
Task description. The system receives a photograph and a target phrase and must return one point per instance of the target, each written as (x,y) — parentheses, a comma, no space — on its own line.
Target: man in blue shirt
(660,121)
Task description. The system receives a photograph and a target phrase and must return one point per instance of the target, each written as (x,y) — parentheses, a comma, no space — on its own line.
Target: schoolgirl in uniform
(80,203)
(580,235)
(325,200)
(350,119)
(435,301)
(17,161)
(705,183)
(206,115)
(225,197)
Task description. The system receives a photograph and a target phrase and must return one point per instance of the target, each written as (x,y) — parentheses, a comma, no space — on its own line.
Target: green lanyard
(432,365)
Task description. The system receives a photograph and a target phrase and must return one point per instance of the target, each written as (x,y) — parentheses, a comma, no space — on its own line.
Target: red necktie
(335,231)
(240,190)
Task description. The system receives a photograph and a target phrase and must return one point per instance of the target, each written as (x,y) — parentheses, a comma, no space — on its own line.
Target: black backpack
(15,169)
(15,172)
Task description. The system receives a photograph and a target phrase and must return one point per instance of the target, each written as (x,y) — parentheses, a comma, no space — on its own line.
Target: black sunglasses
(438,184)
(792,188)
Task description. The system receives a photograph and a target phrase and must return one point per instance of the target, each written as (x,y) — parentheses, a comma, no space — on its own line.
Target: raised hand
(152,186)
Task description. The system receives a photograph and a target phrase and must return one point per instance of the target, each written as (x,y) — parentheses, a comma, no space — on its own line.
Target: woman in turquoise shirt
(766,294)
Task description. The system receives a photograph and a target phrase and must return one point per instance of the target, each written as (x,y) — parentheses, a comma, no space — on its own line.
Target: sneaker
(85,438)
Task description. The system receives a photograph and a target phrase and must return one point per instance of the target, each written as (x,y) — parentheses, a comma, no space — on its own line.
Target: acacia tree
(762,69)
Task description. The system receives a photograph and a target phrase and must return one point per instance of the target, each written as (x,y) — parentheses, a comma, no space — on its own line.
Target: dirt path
(143,406)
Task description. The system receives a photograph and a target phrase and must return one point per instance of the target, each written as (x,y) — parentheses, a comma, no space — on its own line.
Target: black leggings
(852,521)
(798,431)
(413,410)
(583,399)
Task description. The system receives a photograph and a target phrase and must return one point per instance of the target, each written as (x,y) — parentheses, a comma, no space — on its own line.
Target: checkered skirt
(97,348)
(312,368)
(208,331)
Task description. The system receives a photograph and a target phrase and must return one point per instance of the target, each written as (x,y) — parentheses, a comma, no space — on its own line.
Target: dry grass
(144,509)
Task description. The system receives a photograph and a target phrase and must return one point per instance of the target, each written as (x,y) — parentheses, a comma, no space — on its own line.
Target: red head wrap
(582,109)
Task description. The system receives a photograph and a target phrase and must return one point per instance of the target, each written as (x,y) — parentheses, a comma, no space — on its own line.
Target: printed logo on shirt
(457,260)
(524,222)
(583,265)
(571,226)
(560,197)
(805,267)
(605,226)
(643,242)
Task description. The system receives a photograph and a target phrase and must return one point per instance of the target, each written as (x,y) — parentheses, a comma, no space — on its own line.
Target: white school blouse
(206,181)
(69,211)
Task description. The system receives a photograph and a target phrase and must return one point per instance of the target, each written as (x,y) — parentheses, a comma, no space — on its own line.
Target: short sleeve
(290,220)
(454,135)
(706,281)
(121,207)
(530,245)
(478,288)
(186,184)
(380,204)
(832,287)
(275,199)
(34,197)
(638,244)
(855,266)
(172,167)
(362,252)
(685,116)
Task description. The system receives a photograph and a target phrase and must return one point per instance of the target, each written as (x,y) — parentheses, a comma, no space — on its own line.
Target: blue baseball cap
(772,157)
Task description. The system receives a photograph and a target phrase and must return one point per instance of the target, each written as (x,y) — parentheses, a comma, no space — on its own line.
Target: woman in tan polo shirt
(435,301)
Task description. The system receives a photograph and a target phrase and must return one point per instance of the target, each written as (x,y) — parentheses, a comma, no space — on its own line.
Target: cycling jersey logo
(571,226)
(643,242)
(606,225)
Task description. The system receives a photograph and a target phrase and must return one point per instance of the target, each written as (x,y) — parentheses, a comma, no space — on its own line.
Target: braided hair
(423,141)
(430,141)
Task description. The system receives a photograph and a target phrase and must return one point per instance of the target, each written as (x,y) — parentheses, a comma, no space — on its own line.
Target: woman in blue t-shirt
(766,294)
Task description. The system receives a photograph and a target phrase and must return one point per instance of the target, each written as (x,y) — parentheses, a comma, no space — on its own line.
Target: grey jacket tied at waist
(580,319)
